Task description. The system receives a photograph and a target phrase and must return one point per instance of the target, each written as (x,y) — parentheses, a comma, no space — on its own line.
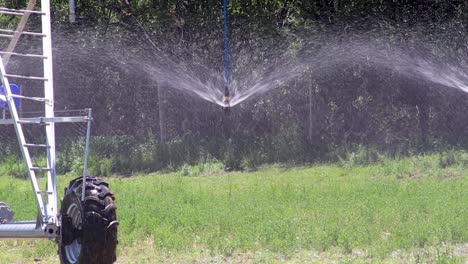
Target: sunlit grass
(379,209)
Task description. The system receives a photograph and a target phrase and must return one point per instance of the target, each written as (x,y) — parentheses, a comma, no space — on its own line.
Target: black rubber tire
(92,237)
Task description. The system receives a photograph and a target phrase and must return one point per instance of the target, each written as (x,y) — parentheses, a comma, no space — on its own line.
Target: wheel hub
(71,236)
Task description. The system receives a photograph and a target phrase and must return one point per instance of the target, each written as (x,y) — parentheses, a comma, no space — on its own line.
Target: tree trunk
(71,11)
(311,112)
(162,113)
(423,115)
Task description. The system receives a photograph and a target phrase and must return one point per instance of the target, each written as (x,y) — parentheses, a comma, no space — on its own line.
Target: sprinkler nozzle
(227,96)
(227,100)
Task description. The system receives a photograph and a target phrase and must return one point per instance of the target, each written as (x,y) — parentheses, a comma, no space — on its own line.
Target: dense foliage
(320,115)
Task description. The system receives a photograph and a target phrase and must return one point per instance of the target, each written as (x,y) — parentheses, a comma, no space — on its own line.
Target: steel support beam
(23,229)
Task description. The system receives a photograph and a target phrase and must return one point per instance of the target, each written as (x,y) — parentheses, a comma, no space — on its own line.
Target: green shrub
(13,166)
(453,158)
(232,157)
(361,156)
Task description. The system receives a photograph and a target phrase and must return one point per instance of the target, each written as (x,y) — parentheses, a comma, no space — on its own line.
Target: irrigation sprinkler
(227,94)
(85,225)
(227,100)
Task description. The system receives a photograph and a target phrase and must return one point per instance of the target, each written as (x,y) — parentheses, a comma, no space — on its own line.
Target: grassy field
(396,211)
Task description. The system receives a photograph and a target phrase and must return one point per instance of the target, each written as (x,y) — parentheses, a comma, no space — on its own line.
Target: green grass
(411,207)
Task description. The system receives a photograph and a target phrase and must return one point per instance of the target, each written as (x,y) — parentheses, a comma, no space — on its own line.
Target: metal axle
(23,229)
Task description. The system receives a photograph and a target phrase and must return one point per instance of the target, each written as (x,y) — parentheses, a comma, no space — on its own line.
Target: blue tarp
(15,90)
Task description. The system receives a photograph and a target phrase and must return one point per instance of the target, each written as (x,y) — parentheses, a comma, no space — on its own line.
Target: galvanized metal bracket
(6,214)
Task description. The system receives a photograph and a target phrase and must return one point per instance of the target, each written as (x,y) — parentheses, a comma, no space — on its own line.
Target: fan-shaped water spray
(254,72)
(208,84)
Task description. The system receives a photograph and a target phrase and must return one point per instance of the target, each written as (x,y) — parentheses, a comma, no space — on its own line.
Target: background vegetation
(319,116)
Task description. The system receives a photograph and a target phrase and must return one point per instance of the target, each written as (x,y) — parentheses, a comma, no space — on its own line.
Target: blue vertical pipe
(226,42)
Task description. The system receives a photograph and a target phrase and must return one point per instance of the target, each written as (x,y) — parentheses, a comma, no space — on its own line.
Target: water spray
(227,94)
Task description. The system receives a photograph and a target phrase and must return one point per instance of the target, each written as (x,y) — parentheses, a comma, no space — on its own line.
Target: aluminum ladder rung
(5,36)
(26,77)
(36,145)
(11,13)
(38,99)
(40,168)
(21,11)
(22,33)
(24,54)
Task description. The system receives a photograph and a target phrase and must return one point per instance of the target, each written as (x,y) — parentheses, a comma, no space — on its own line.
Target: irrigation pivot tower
(85,227)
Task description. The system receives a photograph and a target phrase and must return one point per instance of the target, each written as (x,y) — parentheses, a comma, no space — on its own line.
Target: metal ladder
(47,208)
(48,221)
